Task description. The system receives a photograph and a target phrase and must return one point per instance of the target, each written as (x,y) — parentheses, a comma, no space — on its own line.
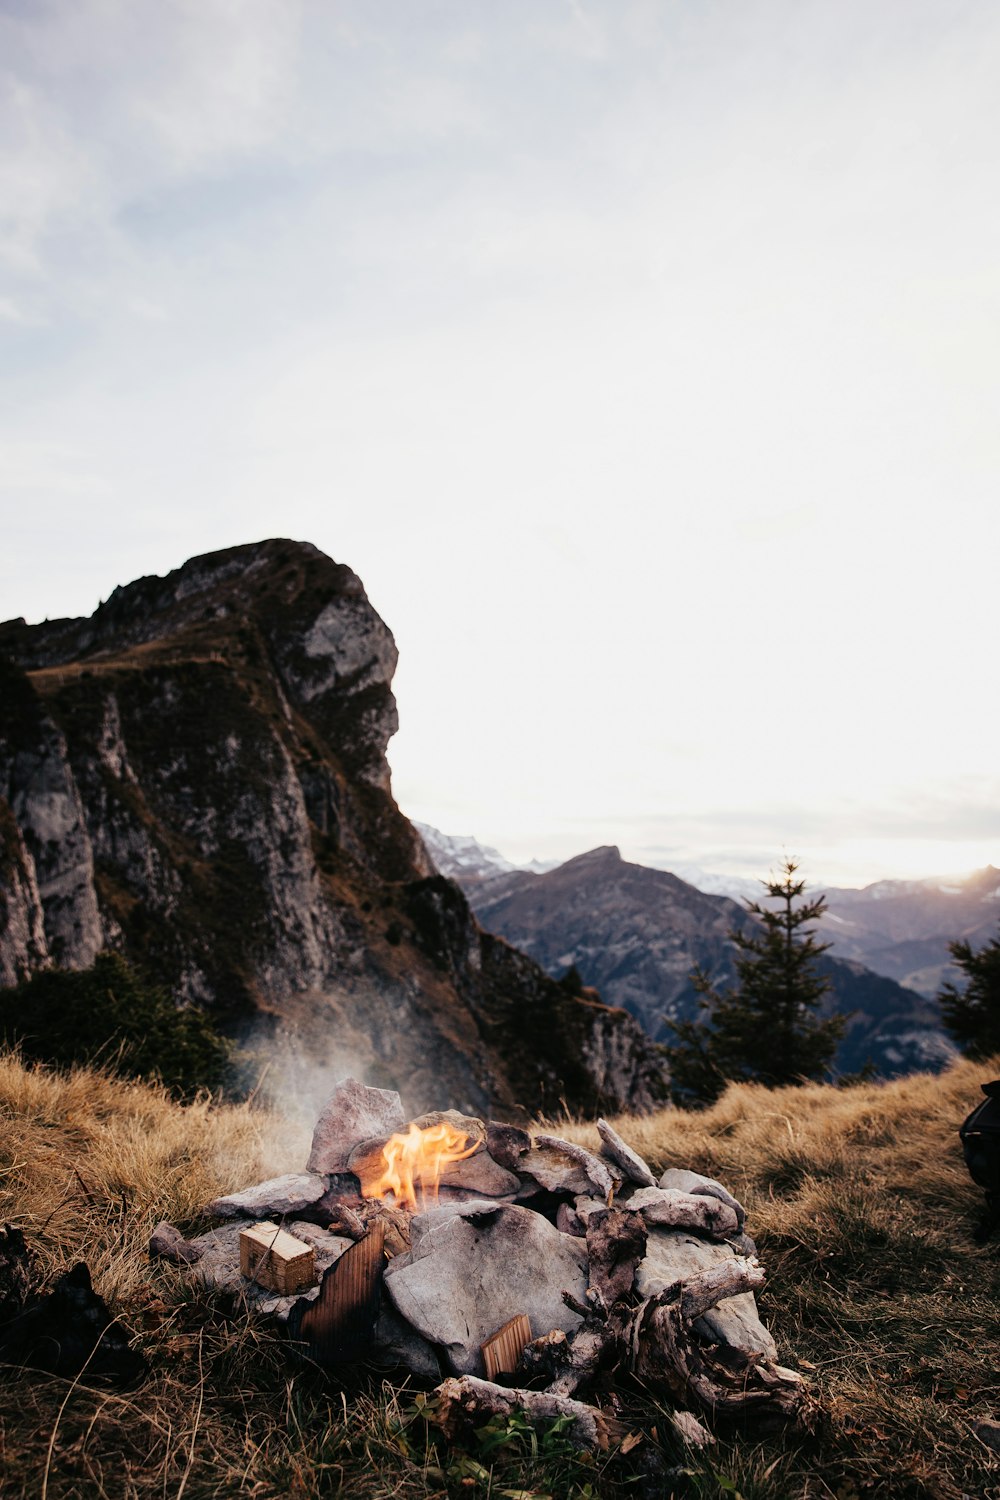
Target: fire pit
(452,1246)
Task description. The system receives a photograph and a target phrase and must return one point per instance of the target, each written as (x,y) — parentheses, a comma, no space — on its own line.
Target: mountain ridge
(635,933)
(196,776)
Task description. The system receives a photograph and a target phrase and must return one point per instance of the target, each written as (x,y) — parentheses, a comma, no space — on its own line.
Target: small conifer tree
(972,1015)
(765,1028)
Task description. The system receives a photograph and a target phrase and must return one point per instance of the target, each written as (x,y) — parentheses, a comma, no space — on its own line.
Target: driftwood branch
(662,1349)
(466,1400)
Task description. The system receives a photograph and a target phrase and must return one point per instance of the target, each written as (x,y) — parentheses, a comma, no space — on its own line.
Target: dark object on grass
(338,1327)
(70,1332)
(17,1272)
(980,1137)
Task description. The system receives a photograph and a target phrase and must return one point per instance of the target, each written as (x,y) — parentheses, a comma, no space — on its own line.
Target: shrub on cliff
(110,1015)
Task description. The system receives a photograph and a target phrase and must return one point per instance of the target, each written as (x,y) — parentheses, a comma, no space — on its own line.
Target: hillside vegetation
(858,1199)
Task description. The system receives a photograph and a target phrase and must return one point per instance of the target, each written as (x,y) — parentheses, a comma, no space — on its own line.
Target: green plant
(766,1028)
(111,1015)
(972,1015)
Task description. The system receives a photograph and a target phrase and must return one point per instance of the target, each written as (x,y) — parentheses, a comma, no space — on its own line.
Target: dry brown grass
(863,1213)
(859,1201)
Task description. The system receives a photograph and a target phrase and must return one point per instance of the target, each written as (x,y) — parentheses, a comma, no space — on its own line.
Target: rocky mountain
(635,934)
(903,927)
(462,857)
(196,776)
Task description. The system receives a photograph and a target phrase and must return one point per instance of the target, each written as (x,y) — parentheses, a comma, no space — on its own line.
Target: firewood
(502,1350)
(276,1260)
(468,1401)
(663,1350)
(690,1431)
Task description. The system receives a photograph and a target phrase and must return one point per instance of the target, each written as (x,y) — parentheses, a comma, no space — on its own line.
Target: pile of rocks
(522,1225)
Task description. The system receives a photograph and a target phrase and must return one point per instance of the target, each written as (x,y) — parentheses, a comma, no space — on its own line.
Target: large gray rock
(671,1255)
(273,1199)
(629,1163)
(669,1209)
(474,1266)
(353,1113)
(693,1182)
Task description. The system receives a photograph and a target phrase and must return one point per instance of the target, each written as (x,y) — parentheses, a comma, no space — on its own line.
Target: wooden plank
(339,1326)
(503,1349)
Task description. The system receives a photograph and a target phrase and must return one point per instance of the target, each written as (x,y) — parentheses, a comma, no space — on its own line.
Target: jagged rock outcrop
(197,776)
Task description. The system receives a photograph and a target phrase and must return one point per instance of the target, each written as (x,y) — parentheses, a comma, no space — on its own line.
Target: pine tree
(766,1028)
(972,1015)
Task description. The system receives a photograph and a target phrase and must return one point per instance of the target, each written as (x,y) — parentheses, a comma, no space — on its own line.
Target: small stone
(564,1167)
(669,1209)
(167,1243)
(989,1433)
(568,1221)
(474,1266)
(352,1114)
(507,1144)
(629,1162)
(672,1255)
(693,1182)
(398,1346)
(273,1199)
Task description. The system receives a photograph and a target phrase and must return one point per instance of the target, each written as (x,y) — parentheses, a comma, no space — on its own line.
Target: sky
(640,356)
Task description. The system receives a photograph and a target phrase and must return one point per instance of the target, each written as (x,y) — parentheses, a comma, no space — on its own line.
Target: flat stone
(281,1195)
(564,1167)
(167,1243)
(470,1126)
(219,1265)
(352,1114)
(669,1209)
(480,1174)
(628,1162)
(693,1182)
(671,1255)
(473,1266)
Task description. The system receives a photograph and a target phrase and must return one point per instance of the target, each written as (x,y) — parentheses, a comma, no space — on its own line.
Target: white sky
(640,356)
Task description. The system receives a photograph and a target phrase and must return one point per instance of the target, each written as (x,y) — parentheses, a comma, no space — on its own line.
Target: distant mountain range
(635,933)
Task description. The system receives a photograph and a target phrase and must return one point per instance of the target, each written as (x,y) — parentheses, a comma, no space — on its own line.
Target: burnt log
(616,1243)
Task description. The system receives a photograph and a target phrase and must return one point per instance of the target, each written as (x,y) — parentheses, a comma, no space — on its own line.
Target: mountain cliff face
(636,933)
(196,775)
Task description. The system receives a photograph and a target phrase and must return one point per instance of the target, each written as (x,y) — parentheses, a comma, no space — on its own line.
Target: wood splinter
(502,1351)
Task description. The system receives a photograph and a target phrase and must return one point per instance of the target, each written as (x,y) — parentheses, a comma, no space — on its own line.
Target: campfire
(507,1269)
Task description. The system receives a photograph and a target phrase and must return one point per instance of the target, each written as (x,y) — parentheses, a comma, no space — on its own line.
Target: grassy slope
(858,1199)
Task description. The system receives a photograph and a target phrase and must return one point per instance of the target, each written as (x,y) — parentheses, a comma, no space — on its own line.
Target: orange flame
(417,1159)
